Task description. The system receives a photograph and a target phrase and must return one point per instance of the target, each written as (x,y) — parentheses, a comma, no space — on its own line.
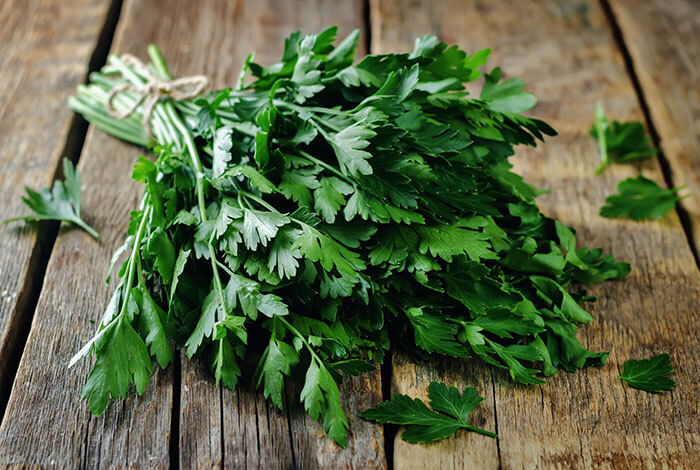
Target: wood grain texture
(365,450)
(566,53)
(663,39)
(45,46)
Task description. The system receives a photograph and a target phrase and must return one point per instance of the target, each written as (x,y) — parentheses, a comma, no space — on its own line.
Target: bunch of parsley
(332,210)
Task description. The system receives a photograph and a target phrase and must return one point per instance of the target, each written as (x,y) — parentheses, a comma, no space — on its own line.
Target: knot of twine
(149,93)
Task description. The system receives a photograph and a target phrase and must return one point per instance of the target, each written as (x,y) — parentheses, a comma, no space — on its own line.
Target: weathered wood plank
(568,57)
(365,450)
(256,434)
(45,46)
(663,39)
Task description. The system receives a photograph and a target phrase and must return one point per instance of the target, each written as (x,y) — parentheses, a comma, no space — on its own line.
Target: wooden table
(639,57)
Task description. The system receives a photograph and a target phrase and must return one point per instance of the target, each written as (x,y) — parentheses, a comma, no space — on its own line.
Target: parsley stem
(86,227)
(301,337)
(601,127)
(225,268)
(161,69)
(135,253)
(259,201)
(325,165)
(305,109)
(479,430)
(318,123)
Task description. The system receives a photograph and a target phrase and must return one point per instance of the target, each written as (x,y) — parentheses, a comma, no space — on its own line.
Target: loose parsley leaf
(61,203)
(424,424)
(621,141)
(649,374)
(640,198)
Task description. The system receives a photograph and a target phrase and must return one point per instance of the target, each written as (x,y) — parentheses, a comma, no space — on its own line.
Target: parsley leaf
(640,198)
(649,374)
(62,202)
(424,424)
(619,141)
(277,361)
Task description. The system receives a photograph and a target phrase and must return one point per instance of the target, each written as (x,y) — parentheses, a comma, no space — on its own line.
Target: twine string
(150,92)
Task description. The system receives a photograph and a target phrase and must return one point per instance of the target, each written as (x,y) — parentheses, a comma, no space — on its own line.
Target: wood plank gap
(175,418)
(495,417)
(366,13)
(390,430)
(47,231)
(663,161)
(289,427)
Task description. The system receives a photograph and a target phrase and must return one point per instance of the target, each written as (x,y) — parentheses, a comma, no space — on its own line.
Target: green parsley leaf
(61,203)
(649,374)
(122,358)
(640,198)
(424,424)
(278,359)
(621,141)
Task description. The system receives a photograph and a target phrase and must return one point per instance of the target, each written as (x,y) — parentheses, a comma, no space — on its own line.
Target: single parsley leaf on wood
(649,374)
(621,141)
(640,198)
(426,425)
(62,202)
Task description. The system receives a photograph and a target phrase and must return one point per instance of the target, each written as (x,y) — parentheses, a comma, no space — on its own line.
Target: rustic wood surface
(663,39)
(45,46)
(567,55)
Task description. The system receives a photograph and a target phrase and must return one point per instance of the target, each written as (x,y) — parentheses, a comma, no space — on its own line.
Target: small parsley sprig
(61,203)
(338,208)
(450,412)
(619,141)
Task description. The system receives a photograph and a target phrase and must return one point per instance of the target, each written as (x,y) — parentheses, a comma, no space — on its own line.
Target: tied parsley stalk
(330,210)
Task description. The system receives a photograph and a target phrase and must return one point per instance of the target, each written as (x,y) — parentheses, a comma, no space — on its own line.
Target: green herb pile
(330,211)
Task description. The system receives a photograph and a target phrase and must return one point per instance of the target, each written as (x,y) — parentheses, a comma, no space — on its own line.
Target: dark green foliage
(620,141)
(334,208)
